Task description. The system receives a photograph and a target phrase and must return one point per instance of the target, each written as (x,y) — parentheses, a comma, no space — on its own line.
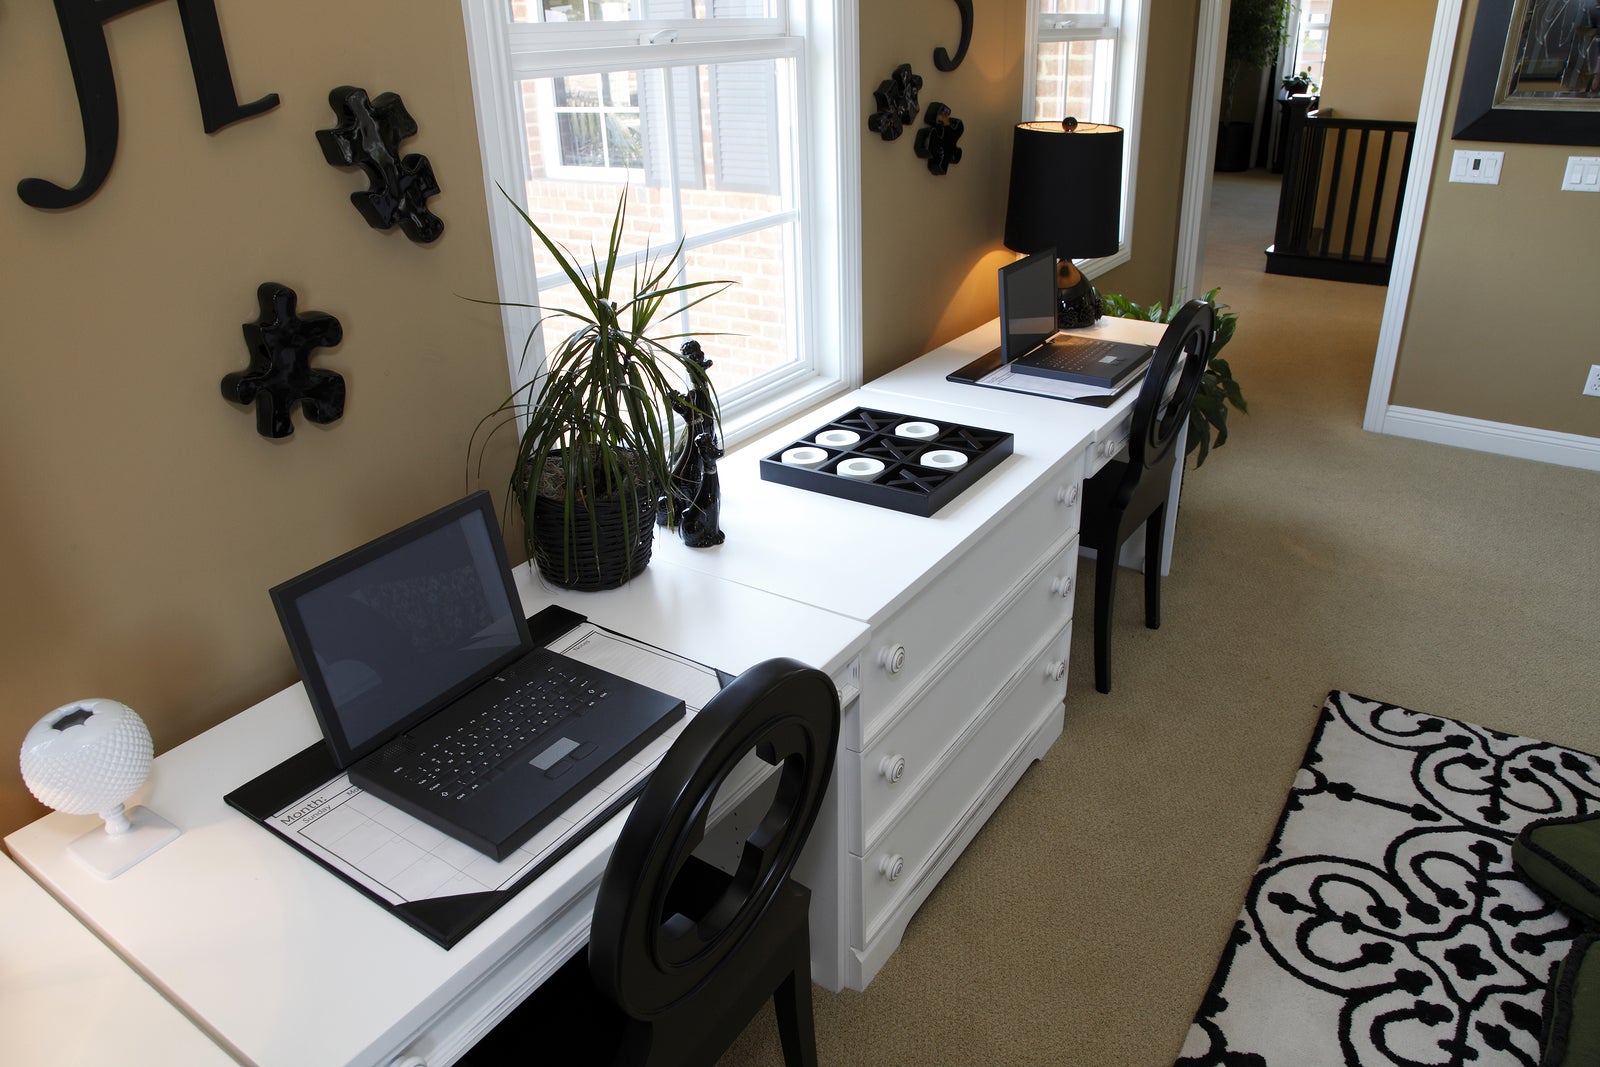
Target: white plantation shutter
(682,117)
(744,134)
(666,9)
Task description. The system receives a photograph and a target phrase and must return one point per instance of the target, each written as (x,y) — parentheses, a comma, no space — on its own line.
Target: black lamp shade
(1066,189)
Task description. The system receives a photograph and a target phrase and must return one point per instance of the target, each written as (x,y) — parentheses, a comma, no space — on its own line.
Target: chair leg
(1155,529)
(1105,590)
(796,1024)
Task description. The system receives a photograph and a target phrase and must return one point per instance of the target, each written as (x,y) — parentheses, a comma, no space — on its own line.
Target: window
(1085,58)
(1311,38)
(694,108)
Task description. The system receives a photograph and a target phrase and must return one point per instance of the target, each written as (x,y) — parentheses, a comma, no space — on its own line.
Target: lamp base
(1078,304)
(108,855)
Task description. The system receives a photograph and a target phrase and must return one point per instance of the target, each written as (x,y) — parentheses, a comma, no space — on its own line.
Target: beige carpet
(1081,927)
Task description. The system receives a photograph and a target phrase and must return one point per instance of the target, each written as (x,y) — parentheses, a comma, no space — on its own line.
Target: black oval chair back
(1170,386)
(683,955)
(1127,493)
(673,934)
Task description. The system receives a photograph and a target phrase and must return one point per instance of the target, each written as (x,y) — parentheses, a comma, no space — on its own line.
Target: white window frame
(820,36)
(1127,25)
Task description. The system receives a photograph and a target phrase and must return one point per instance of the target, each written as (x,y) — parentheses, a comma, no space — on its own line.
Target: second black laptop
(431,692)
(1030,343)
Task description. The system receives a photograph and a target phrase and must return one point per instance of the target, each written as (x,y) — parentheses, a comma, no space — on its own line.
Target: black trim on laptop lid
(342,616)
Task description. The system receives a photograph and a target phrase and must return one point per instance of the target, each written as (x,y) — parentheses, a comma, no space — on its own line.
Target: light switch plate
(1476,167)
(1582,175)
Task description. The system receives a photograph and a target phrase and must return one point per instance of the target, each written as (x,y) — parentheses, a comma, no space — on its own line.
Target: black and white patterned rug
(1385,925)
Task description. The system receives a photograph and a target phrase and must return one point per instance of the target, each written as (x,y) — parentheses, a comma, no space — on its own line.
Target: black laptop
(430,691)
(1030,343)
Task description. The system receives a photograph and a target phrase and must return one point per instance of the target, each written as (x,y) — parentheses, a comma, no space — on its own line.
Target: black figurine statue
(699,521)
(695,409)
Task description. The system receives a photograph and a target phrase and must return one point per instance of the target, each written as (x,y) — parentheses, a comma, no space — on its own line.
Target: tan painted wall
(1163,140)
(1501,324)
(1377,55)
(931,245)
(144,518)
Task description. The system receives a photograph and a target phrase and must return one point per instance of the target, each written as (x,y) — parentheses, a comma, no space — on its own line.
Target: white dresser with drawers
(969,613)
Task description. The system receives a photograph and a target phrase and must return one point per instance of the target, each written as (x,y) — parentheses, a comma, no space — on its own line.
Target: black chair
(681,954)
(1125,493)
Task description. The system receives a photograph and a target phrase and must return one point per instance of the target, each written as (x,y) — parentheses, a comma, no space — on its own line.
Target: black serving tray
(904,485)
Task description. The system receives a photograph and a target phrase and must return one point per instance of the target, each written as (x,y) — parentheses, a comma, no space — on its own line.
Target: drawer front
(1110,440)
(897,765)
(919,636)
(902,862)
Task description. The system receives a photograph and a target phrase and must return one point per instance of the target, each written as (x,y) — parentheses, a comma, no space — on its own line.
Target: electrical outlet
(1591,387)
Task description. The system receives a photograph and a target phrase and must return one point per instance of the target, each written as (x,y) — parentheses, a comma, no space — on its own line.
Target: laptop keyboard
(1078,359)
(491,741)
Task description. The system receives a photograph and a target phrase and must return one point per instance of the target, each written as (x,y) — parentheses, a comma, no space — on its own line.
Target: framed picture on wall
(1533,73)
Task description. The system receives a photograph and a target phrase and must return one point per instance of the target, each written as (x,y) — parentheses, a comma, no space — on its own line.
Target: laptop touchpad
(546,759)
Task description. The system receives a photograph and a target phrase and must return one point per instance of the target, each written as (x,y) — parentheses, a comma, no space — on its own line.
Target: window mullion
(675,182)
(544,63)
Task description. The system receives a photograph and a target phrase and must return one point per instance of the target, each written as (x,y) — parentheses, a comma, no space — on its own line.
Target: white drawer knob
(1109,448)
(892,768)
(1068,495)
(891,866)
(893,658)
(1061,585)
(1056,670)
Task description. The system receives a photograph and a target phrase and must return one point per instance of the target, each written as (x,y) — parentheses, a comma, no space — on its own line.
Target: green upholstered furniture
(1561,859)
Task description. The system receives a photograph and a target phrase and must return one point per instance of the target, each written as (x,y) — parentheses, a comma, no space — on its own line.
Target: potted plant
(1256,31)
(1299,84)
(1209,414)
(595,453)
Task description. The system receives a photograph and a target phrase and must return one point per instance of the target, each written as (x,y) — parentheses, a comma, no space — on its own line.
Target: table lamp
(87,758)
(1066,194)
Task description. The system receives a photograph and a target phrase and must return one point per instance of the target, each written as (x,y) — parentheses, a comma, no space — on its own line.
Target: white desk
(68,1001)
(925,377)
(286,966)
(282,964)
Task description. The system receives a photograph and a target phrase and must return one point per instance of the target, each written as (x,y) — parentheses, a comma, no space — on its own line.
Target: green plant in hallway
(1209,415)
(1256,30)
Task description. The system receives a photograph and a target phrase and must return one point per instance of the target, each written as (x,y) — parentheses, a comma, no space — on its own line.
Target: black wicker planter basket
(602,554)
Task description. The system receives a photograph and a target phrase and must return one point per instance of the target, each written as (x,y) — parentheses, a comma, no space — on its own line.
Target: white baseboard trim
(1503,439)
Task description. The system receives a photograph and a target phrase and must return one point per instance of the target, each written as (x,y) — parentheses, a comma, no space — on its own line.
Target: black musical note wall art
(943,59)
(83,30)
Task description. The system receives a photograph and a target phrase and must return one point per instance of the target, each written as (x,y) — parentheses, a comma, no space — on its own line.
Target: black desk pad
(443,920)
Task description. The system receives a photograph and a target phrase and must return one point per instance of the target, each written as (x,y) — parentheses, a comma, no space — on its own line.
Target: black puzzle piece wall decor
(280,371)
(936,142)
(896,97)
(368,136)
(944,60)
(83,30)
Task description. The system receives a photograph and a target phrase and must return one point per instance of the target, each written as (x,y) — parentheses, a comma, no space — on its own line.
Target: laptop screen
(391,632)
(1027,304)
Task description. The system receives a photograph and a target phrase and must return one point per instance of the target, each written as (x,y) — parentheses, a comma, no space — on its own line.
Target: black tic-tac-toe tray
(905,484)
